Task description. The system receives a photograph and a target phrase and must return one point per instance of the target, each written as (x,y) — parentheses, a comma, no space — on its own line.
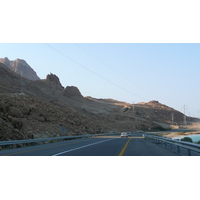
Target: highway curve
(96,146)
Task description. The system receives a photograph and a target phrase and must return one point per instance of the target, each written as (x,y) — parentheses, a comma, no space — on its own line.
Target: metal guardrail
(22,143)
(179,144)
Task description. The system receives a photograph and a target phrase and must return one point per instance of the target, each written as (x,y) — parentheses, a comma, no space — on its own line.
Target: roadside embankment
(177,134)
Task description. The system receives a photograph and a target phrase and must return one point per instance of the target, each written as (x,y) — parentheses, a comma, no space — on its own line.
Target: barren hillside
(40,108)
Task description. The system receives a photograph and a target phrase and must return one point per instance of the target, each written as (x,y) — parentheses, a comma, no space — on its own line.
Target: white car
(124,134)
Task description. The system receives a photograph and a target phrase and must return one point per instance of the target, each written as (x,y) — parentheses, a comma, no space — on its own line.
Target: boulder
(17,123)
(15,112)
(25,110)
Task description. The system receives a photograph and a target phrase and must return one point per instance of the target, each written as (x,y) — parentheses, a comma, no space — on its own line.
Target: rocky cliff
(20,67)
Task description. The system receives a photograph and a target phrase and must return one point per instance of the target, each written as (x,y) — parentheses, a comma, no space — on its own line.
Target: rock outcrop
(20,67)
(72,91)
(54,79)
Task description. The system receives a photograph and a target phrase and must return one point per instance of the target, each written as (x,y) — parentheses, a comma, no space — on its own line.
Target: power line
(66,56)
(111,67)
(103,62)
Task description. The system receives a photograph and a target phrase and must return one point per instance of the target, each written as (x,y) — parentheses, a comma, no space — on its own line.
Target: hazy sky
(133,51)
(130,72)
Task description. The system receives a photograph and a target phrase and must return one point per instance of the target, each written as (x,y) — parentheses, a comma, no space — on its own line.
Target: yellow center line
(42,148)
(125,146)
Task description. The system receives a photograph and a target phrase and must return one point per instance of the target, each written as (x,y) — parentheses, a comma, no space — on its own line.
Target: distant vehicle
(124,134)
(140,131)
(129,134)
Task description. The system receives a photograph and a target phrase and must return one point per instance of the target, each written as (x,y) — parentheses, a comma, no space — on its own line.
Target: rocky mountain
(40,108)
(20,67)
(54,79)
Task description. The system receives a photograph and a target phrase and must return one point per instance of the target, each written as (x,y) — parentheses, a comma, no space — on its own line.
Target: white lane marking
(82,147)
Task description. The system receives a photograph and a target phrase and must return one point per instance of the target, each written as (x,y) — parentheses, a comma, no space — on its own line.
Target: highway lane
(48,149)
(132,146)
(80,147)
(97,146)
(142,147)
(109,147)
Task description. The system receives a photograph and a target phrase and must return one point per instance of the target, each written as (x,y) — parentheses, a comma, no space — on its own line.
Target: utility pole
(189,117)
(184,109)
(133,107)
(21,84)
(172,118)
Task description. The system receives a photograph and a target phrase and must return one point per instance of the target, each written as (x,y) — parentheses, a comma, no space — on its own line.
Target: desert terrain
(37,108)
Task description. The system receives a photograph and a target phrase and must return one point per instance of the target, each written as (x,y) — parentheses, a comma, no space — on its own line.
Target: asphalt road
(97,146)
